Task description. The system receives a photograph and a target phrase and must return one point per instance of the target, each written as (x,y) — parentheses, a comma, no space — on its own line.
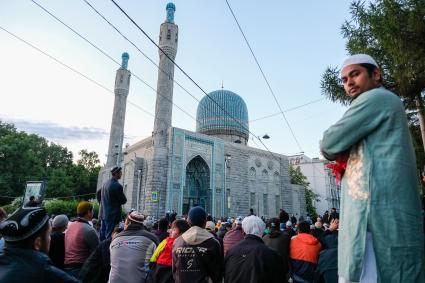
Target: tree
(392,32)
(25,157)
(298,178)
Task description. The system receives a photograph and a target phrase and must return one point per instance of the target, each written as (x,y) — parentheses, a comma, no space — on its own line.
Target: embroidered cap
(23,223)
(137,217)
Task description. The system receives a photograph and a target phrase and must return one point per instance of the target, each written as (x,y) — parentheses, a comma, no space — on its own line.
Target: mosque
(176,169)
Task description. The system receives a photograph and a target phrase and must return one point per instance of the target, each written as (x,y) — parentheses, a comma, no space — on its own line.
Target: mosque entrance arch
(197,189)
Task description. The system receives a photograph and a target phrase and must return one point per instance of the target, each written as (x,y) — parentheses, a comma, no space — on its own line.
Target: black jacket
(279,241)
(57,249)
(197,257)
(251,261)
(98,264)
(19,265)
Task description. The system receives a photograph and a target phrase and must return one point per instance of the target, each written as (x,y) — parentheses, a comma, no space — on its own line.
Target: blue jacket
(19,265)
(111,198)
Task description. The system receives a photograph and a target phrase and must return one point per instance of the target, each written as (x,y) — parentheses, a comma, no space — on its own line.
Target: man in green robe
(381,236)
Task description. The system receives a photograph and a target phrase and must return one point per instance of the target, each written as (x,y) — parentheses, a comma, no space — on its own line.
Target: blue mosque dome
(212,120)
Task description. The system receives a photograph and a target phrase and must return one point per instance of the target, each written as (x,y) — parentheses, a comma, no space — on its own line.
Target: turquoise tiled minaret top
(213,120)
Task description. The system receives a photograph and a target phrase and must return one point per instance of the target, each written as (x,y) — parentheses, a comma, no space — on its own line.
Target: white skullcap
(359,59)
(253,225)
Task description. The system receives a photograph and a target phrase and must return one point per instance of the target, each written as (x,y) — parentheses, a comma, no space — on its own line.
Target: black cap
(23,223)
(116,169)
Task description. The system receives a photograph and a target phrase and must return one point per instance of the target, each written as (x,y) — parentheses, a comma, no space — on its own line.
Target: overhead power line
(287,110)
(109,57)
(137,48)
(189,77)
(72,69)
(265,78)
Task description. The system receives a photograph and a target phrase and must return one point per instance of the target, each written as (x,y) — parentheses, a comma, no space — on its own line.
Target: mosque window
(168,34)
(266,204)
(252,200)
(252,172)
(265,173)
(277,204)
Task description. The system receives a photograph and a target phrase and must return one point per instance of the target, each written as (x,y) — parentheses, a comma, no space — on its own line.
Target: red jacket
(165,258)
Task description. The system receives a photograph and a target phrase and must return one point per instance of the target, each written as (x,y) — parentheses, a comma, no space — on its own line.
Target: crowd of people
(196,248)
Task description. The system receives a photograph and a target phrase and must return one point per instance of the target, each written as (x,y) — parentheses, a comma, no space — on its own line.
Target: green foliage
(28,157)
(392,32)
(298,178)
(68,207)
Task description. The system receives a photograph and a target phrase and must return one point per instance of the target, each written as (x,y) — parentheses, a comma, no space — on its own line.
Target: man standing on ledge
(110,197)
(380,236)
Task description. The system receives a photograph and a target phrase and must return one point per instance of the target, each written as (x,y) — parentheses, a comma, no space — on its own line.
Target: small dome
(125,55)
(212,120)
(171,6)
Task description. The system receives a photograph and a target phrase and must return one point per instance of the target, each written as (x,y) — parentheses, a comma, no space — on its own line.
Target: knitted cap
(60,221)
(83,207)
(210,226)
(197,216)
(116,169)
(23,223)
(137,217)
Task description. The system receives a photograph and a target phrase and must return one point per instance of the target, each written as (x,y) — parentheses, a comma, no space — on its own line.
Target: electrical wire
(109,57)
(189,77)
(265,79)
(287,110)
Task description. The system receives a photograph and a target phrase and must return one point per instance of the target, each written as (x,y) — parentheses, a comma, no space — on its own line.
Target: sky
(294,42)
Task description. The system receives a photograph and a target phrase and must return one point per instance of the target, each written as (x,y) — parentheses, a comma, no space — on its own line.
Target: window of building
(252,200)
(252,172)
(168,34)
(277,204)
(265,204)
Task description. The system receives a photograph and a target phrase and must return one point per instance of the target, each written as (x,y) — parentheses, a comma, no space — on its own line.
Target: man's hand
(334,225)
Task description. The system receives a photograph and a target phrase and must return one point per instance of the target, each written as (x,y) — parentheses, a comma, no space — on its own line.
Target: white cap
(358,59)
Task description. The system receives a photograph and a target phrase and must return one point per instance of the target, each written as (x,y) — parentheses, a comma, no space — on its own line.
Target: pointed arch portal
(197,189)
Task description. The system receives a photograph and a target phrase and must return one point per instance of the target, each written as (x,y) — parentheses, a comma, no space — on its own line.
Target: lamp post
(227,157)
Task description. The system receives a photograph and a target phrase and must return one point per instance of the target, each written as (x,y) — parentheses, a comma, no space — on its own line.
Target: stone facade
(248,178)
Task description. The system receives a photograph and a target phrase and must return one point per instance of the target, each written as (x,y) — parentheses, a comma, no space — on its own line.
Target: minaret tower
(157,172)
(122,85)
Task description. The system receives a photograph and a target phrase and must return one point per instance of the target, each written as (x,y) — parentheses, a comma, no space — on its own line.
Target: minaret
(122,85)
(157,171)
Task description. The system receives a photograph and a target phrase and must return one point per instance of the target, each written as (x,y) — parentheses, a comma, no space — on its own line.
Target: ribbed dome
(212,120)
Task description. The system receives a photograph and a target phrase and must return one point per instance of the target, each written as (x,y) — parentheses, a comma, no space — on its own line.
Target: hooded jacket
(304,253)
(197,257)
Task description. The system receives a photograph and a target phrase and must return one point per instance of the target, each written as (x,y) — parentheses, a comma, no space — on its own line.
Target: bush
(14,205)
(67,207)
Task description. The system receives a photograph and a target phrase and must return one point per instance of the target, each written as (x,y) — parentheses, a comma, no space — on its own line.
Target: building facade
(321,180)
(176,169)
